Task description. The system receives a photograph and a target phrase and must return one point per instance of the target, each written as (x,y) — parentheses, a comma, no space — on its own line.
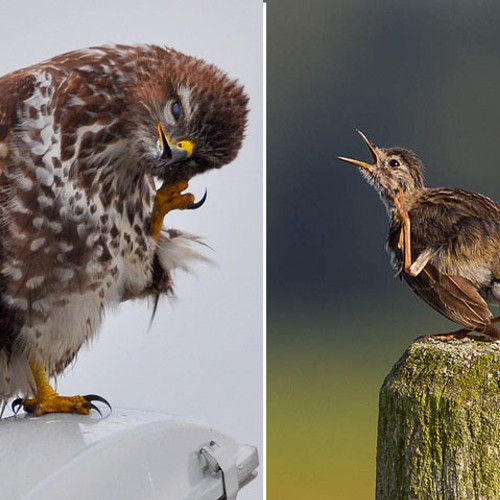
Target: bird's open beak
(172,152)
(359,163)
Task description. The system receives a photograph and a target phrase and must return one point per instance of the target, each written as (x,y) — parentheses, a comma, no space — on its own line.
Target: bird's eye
(176,110)
(394,163)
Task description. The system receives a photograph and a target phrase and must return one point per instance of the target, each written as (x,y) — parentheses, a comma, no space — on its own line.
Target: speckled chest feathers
(79,152)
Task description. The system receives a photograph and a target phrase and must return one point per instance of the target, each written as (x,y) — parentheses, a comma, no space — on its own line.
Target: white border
(264,249)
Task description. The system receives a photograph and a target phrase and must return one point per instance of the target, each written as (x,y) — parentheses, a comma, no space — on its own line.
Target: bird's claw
(170,197)
(91,406)
(198,204)
(94,397)
(54,403)
(16,405)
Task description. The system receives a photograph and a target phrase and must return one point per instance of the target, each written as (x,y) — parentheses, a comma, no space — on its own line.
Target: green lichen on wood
(439,423)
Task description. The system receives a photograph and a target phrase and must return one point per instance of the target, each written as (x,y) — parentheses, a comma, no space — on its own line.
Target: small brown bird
(445,242)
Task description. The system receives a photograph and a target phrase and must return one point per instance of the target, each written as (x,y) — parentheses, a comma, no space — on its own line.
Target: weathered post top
(439,423)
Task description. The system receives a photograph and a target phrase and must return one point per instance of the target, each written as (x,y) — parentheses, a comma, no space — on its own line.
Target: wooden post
(439,423)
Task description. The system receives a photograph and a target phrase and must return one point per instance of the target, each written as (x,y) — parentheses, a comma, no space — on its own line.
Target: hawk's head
(186,117)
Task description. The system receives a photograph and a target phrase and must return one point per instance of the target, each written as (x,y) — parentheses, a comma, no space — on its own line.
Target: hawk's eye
(394,163)
(176,110)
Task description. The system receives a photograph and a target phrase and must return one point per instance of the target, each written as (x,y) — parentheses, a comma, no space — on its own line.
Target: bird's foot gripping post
(170,197)
(49,401)
(488,333)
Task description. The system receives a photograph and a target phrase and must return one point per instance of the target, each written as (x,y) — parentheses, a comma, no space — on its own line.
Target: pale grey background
(203,356)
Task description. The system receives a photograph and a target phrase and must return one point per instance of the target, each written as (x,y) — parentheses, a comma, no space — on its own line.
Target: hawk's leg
(169,197)
(49,401)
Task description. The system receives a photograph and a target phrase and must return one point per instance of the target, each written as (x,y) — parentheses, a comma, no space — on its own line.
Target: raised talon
(198,204)
(169,197)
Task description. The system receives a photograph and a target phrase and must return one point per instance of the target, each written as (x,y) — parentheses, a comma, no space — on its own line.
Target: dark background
(422,75)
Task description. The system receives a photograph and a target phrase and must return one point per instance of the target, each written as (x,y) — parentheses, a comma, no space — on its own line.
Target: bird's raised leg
(412,268)
(405,233)
(169,197)
(49,401)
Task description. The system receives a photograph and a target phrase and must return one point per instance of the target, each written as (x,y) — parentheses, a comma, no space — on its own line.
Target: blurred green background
(424,75)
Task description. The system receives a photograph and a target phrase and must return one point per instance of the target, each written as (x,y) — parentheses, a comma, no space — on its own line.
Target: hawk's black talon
(94,397)
(91,406)
(16,405)
(198,204)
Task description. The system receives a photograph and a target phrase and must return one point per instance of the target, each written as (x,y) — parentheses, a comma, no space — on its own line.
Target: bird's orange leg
(49,401)
(405,233)
(407,230)
(169,197)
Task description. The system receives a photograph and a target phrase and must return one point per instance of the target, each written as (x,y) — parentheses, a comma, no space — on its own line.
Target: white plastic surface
(127,455)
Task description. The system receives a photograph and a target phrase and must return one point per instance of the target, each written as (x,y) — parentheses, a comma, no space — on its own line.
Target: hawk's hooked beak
(359,163)
(172,153)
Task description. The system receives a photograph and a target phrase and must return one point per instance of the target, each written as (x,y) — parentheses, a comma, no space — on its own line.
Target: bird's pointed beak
(363,164)
(172,152)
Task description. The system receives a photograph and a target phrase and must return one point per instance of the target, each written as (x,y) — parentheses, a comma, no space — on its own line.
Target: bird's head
(188,117)
(391,168)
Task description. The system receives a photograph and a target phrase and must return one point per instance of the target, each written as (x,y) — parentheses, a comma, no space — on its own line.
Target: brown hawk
(82,138)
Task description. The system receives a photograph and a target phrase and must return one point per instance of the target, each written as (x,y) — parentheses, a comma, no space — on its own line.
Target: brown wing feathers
(453,296)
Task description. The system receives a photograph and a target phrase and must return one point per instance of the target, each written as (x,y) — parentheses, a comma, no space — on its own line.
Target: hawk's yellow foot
(169,197)
(49,401)
(59,404)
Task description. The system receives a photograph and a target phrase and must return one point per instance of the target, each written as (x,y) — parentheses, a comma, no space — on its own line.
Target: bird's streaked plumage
(454,236)
(79,151)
